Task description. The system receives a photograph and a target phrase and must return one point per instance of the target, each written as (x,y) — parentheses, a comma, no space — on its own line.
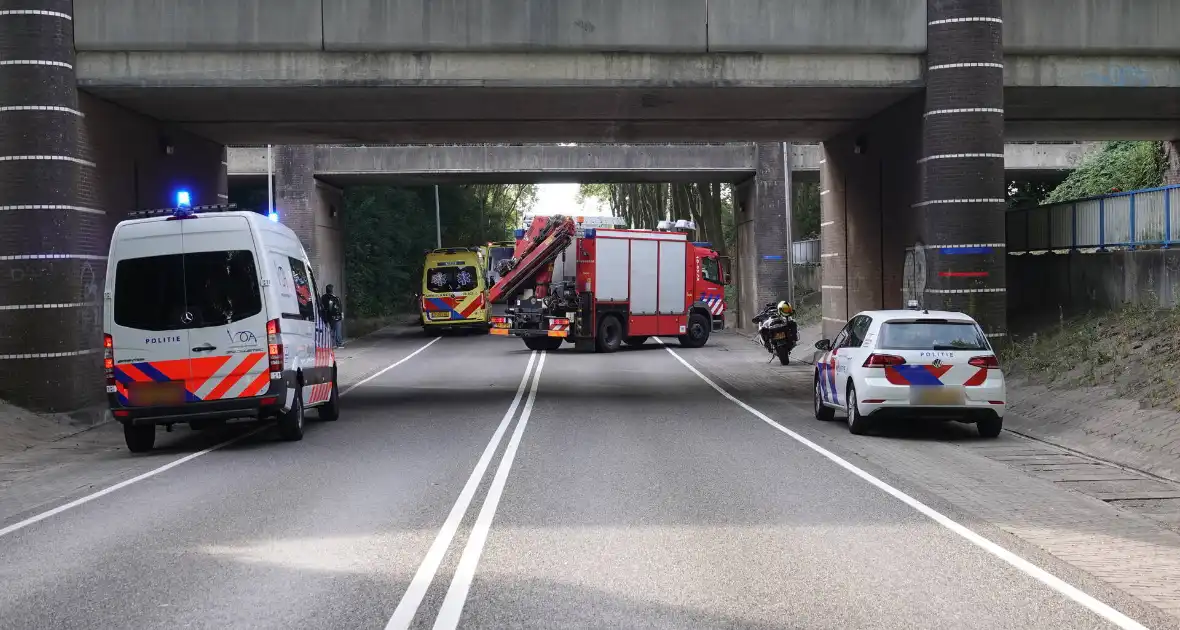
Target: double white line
(452,606)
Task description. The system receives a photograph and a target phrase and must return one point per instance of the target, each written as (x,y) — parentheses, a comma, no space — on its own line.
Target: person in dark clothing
(333,314)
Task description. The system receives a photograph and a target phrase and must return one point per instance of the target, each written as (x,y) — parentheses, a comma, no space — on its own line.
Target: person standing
(334,315)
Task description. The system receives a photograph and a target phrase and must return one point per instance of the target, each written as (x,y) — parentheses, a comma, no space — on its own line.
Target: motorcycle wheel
(784,354)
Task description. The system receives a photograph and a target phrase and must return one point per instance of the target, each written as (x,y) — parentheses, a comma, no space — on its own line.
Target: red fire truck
(599,288)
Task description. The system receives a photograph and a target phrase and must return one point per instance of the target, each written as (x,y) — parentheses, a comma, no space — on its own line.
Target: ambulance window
(149,294)
(221,287)
(710,270)
(304,293)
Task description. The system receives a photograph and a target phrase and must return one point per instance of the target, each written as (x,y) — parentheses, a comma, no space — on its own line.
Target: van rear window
(178,291)
(450,279)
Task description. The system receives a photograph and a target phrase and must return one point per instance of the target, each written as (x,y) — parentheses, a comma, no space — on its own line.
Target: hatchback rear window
(178,291)
(931,335)
(450,279)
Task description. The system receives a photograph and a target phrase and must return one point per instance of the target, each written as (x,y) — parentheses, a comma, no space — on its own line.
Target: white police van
(211,314)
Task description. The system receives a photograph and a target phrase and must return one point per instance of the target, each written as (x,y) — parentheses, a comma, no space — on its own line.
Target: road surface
(478,485)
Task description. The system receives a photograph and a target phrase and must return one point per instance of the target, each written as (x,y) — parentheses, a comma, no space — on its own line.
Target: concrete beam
(734,161)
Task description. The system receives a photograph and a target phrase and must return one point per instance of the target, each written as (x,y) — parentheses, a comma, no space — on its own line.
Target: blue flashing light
(588,233)
(518,233)
(273,215)
(704,244)
(183,199)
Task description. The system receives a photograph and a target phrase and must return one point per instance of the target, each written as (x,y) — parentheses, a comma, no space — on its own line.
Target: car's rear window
(444,279)
(931,335)
(177,291)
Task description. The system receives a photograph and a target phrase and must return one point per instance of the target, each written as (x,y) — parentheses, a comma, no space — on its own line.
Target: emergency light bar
(162,212)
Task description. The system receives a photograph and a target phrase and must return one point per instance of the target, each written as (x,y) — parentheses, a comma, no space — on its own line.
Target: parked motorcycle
(777,330)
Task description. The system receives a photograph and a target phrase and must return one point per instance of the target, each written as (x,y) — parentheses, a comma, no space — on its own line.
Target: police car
(910,364)
(210,314)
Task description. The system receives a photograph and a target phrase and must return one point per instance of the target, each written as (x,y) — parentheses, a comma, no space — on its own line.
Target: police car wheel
(990,428)
(857,424)
(291,423)
(140,439)
(822,411)
(330,411)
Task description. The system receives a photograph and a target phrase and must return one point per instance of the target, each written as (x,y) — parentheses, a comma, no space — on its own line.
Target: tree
(1122,165)
(643,206)
(807,210)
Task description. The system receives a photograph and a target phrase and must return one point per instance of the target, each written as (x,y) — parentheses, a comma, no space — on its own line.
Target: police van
(211,314)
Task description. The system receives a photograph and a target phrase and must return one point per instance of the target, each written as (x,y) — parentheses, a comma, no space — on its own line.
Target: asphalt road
(478,485)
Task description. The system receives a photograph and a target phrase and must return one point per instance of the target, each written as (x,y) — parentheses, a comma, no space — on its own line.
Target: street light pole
(437,220)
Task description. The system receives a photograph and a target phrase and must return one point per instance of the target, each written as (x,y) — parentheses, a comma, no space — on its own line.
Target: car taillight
(499,320)
(274,345)
(989,362)
(561,321)
(108,362)
(882,360)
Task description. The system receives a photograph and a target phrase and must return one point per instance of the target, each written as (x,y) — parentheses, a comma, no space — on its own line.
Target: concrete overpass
(110,105)
(539,163)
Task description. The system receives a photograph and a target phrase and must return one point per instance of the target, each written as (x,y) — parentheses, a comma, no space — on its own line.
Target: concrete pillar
(772,241)
(52,245)
(329,238)
(295,195)
(1172,167)
(869,182)
(961,242)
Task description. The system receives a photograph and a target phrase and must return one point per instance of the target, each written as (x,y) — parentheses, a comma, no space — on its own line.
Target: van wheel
(610,334)
(635,342)
(699,328)
(330,411)
(140,439)
(291,423)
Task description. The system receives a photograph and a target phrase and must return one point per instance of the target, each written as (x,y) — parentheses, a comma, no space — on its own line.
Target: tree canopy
(1125,165)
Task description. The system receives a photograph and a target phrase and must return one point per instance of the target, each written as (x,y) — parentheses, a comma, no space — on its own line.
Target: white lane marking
(123,484)
(187,458)
(1061,586)
(386,369)
(403,615)
(452,606)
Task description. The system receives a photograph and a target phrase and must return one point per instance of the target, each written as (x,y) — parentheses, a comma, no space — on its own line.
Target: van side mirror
(823,345)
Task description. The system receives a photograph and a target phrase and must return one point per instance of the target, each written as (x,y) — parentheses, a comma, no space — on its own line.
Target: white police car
(910,364)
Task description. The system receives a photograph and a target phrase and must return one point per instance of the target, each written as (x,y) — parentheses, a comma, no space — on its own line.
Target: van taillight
(274,346)
(883,360)
(108,362)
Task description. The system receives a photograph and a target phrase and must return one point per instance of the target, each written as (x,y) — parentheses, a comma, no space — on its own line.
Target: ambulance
(211,314)
(454,290)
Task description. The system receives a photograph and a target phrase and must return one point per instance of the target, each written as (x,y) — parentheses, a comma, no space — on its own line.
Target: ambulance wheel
(635,342)
(291,423)
(699,328)
(610,334)
(542,343)
(140,439)
(330,411)
(430,331)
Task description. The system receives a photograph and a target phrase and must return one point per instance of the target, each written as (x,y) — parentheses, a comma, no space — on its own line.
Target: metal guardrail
(806,252)
(1127,220)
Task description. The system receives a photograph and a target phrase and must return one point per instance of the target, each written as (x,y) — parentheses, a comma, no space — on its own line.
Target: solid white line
(123,484)
(1061,586)
(384,370)
(187,458)
(403,615)
(452,606)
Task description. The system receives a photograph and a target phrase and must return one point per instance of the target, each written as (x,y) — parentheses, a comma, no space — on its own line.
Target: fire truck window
(710,270)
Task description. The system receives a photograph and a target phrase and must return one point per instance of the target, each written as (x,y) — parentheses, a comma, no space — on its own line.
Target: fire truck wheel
(635,341)
(542,343)
(610,334)
(699,328)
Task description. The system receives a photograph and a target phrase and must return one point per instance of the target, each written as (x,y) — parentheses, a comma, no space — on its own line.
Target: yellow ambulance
(454,290)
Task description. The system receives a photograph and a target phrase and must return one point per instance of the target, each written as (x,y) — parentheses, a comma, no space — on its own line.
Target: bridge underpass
(116,107)
(337,167)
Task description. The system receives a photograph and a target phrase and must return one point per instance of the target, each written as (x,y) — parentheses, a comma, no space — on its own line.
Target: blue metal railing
(1126,220)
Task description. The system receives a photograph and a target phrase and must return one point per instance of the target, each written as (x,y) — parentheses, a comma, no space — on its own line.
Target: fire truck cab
(601,287)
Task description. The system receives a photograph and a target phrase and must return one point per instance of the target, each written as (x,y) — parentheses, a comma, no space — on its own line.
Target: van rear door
(227,337)
(149,334)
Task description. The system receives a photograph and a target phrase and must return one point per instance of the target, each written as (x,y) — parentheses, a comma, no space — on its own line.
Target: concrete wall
(1074,283)
(329,238)
(885,26)
(1122,27)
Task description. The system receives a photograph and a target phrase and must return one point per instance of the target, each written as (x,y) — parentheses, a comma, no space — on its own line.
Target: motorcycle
(778,334)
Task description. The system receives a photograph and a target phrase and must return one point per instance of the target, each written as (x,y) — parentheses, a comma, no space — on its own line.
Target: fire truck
(601,287)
